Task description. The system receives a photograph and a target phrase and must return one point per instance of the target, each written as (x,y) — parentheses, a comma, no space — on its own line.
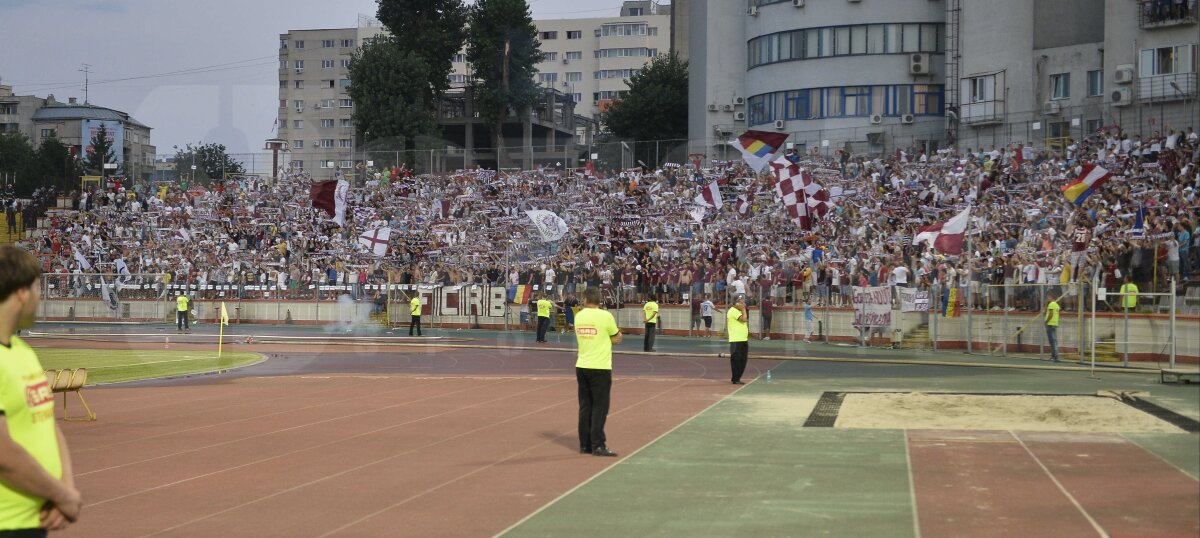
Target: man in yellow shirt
(1051,319)
(1129,294)
(738,327)
(651,314)
(595,332)
(37,487)
(544,308)
(182,305)
(414,310)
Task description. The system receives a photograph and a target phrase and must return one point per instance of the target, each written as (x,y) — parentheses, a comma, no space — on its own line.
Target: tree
(101,152)
(393,96)
(655,108)
(502,46)
(18,162)
(433,29)
(57,165)
(211,161)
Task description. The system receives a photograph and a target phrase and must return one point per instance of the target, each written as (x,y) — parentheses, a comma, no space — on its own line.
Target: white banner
(872,306)
(914,300)
(551,226)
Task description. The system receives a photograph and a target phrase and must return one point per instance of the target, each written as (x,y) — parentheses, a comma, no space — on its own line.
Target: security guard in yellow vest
(544,307)
(651,313)
(1129,294)
(182,305)
(415,312)
(737,324)
(1051,319)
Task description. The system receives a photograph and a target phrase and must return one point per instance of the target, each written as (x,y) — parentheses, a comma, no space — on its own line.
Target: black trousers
(24,533)
(415,323)
(543,326)
(648,344)
(739,353)
(594,389)
(181,320)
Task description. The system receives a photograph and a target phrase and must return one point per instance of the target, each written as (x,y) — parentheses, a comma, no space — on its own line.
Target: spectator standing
(595,332)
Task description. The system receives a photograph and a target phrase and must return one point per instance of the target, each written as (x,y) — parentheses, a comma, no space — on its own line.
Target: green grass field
(111,366)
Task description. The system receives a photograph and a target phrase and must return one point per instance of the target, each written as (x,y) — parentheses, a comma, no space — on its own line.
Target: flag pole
(220,339)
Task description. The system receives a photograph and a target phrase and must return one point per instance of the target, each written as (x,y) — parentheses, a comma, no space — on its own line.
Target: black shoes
(738,383)
(585,450)
(603,451)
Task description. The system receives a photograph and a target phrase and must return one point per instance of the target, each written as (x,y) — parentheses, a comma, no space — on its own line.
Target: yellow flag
(224,314)
(162,193)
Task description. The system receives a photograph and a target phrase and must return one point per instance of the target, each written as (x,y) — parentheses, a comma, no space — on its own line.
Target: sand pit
(993,412)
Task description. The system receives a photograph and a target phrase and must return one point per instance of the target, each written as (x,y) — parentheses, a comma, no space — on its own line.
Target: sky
(194,71)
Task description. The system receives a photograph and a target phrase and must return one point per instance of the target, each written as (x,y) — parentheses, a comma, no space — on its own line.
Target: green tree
(18,162)
(56,164)
(654,108)
(393,96)
(503,48)
(101,154)
(432,29)
(211,161)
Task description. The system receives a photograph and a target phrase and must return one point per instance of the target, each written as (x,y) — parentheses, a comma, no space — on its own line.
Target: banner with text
(872,306)
(914,300)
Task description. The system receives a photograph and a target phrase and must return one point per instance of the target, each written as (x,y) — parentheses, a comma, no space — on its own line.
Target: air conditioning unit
(713,108)
(854,1)
(908,118)
(566,61)
(1123,74)
(918,63)
(299,70)
(727,108)
(739,116)
(876,118)
(739,100)
(1051,108)
(797,3)
(753,11)
(566,84)
(779,125)
(1121,97)
(299,109)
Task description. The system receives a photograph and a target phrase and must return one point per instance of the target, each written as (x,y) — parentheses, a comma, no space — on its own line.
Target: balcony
(1162,14)
(982,112)
(1171,87)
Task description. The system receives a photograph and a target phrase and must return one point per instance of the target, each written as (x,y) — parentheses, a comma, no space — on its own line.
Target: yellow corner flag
(224,314)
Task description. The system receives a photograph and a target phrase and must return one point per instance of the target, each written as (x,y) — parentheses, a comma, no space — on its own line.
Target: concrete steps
(917,338)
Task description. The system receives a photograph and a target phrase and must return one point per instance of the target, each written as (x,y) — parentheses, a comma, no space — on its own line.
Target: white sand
(975,412)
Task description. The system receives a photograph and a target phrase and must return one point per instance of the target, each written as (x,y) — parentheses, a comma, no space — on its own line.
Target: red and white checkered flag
(744,202)
(789,188)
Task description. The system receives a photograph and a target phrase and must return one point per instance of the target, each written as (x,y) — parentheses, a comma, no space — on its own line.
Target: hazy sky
(172,63)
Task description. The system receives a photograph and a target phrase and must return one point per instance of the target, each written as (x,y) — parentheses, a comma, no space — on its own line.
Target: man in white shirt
(706,312)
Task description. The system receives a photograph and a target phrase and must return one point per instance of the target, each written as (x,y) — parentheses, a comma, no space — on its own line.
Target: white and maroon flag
(710,195)
(376,240)
(946,237)
(744,202)
(804,199)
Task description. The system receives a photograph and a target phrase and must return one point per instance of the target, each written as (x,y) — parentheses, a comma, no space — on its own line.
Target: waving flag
(744,202)
(322,193)
(758,146)
(376,240)
(551,226)
(84,264)
(946,237)
(1092,178)
(710,196)
(1139,224)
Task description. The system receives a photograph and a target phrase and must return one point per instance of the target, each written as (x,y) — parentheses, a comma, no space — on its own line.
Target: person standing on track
(1051,319)
(414,310)
(182,305)
(651,314)
(37,486)
(738,327)
(706,312)
(595,332)
(544,309)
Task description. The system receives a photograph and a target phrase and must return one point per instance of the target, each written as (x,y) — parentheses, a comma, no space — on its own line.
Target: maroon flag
(322,195)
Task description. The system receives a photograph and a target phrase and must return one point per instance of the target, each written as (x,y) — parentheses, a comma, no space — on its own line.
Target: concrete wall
(717,55)
(1059,23)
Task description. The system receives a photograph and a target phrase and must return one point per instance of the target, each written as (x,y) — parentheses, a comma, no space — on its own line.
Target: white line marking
(1095,525)
(912,488)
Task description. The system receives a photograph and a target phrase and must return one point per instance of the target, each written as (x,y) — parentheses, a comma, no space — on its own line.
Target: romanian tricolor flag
(1091,179)
(519,294)
(757,147)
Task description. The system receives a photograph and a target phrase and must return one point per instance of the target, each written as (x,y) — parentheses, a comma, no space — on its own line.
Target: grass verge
(112,366)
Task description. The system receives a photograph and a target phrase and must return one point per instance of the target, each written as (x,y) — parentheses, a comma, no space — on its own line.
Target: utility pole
(87,69)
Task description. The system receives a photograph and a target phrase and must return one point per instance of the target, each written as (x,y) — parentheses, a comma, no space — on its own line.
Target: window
(297,144)
(283,84)
(635,52)
(326,123)
(283,43)
(856,101)
(299,104)
(325,103)
(574,76)
(346,164)
(347,43)
(841,37)
(283,103)
(608,30)
(299,64)
(326,164)
(547,78)
(459,58)
(326,64)
(300,44)
(298,84)
(1167,61)
(327,43)
(911,37)
(1095,81)
(927,99)
(575,55)
(346,103)
(796,105)
(574,34)
(345,143)
(297,124)
(1092,126)
(577,97)
(1060,86)
(547,36)
(283,64)
(616,73)
(346,62)
(549,56)
(327,142)
(297,165)
(636,11)
(458,79)
(49,133)
(347,122)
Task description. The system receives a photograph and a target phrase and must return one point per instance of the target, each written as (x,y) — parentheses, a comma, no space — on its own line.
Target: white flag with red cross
(376,240)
